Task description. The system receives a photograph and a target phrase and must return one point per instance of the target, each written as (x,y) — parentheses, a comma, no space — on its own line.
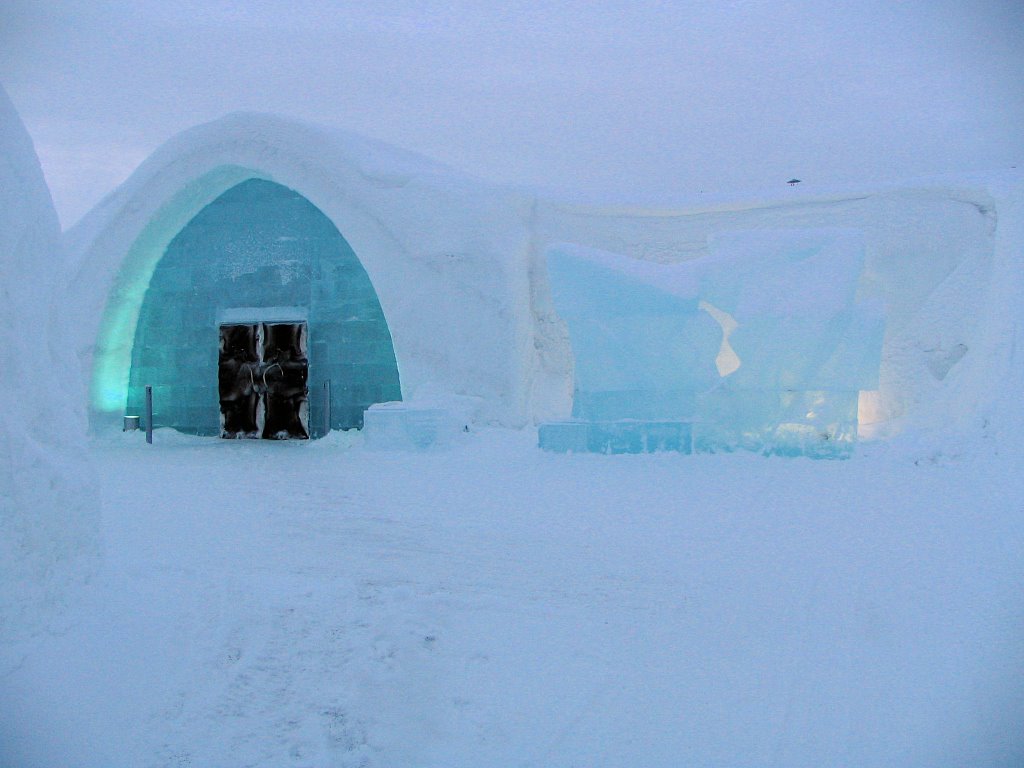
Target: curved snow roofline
(388,204)
(331,148)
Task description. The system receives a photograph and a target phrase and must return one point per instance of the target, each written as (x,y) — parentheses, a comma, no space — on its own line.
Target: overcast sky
(627,101)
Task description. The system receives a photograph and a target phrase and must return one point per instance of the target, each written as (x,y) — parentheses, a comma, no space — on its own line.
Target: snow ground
(321,604)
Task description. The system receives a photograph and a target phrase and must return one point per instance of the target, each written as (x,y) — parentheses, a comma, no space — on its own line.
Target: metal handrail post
(149,414)
(327,408)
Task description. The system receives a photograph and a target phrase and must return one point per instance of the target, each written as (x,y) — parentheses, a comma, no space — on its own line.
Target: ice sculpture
(762,345)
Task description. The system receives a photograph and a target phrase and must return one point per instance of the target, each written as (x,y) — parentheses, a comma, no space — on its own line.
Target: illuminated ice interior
(260,247)
(762,345)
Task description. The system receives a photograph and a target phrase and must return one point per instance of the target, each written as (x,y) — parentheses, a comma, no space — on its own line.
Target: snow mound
(49,508)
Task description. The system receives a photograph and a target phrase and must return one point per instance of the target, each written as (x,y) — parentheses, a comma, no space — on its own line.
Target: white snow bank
(49,515)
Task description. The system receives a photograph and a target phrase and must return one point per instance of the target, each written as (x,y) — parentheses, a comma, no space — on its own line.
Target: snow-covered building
(388,276)
(267,277)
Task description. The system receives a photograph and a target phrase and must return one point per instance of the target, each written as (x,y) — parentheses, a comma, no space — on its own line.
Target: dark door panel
(285,374)
(239,398)
(263,373)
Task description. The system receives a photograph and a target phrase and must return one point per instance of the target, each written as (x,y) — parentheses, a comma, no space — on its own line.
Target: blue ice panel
(640,352)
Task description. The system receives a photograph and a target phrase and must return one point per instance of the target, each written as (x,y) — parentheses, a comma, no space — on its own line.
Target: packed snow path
(315,604)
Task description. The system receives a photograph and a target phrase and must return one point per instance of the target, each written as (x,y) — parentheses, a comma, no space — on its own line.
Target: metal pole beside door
(149,414)
(327,407)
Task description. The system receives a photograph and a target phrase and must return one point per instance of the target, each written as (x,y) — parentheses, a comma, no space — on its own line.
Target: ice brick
(614,437)
(395,426)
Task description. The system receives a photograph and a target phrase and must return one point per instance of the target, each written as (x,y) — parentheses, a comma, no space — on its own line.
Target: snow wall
(49,505)
(460,268)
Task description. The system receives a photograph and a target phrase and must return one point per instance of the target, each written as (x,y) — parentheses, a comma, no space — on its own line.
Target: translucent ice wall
(260,248)
(763,345)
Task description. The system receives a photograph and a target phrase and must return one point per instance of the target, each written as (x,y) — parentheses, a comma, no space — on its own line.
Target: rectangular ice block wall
(615,437)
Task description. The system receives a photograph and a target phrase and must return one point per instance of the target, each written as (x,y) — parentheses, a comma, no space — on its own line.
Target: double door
(262,376)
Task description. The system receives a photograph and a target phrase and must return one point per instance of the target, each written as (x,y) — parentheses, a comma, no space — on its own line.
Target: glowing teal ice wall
(260,245)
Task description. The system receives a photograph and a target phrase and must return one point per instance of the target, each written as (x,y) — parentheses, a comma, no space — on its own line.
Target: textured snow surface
(320,604)
(48,505)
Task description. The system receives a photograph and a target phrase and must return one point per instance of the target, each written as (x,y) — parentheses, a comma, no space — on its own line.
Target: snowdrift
(49,515)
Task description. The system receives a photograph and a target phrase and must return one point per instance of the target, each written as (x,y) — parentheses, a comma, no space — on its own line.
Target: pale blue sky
(627,101)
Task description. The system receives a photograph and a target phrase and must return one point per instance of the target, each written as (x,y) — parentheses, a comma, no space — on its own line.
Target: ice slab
(398,427)
(783,423)
(615,436)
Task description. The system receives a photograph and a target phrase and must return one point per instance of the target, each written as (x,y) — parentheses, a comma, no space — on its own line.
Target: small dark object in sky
(793,182)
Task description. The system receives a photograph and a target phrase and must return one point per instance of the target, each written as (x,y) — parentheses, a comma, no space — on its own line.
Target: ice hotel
(274,279)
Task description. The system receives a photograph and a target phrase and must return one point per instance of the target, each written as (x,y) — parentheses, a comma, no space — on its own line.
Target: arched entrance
(261,264)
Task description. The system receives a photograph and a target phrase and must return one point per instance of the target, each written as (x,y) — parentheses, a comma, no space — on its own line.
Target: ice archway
(447,256)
